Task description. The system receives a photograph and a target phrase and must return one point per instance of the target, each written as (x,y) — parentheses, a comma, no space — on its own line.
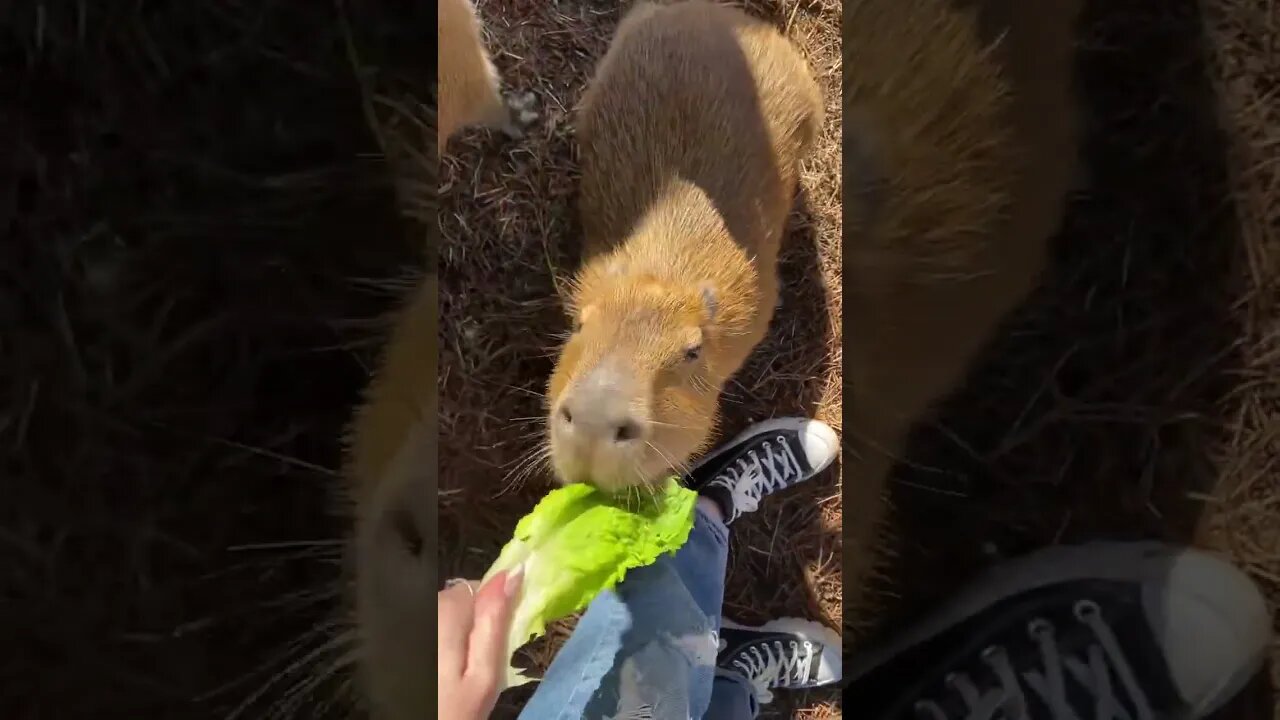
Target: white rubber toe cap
(1213,624)
(821,445)
(820,442)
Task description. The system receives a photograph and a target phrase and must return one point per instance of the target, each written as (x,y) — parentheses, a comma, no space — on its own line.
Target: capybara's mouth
(621,474)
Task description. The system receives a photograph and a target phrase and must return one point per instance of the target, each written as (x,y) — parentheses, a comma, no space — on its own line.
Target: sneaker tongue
(771,459)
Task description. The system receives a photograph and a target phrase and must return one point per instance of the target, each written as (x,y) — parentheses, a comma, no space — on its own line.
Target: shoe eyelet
(1086,610)
(1039,628)
(808,645)
(925,709)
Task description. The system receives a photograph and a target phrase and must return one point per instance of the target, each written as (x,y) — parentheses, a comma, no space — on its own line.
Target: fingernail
(453,581)
(512,583)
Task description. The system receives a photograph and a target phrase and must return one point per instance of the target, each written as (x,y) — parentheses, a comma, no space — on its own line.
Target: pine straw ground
(509,233)
(198,237)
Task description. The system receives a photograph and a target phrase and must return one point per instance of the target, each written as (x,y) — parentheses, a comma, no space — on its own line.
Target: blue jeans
(648,648)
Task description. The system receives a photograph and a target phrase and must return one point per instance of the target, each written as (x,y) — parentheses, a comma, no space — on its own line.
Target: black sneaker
(1124,631)
(763,459)
(788,653)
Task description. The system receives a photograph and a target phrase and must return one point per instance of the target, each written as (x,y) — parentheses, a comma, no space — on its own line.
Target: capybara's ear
(710,301)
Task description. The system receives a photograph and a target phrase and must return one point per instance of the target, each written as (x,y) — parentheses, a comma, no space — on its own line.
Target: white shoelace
(770,664)
(751,477)
(1092,672)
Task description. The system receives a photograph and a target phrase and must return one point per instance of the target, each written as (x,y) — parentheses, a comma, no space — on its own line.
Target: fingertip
(495,607)
(513,581)
(503,587)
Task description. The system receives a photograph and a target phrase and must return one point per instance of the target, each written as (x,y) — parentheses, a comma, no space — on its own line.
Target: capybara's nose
(598,409)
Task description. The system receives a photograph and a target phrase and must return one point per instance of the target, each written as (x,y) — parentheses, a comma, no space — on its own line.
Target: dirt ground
(200,239)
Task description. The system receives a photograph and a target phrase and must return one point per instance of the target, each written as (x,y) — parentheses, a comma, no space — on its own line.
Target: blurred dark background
(198,239)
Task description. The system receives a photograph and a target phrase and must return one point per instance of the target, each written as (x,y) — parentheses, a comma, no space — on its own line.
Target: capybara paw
(521,113)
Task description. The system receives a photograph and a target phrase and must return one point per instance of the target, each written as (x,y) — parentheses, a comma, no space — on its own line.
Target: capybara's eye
(693,353)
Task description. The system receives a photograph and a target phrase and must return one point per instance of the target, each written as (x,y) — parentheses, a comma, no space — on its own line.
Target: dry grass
(1244,512)
(509,233)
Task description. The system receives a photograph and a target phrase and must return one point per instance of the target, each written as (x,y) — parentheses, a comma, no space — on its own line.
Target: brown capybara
(960,150)
(691,134)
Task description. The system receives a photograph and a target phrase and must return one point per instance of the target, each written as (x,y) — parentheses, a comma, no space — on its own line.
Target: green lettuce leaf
(580,541)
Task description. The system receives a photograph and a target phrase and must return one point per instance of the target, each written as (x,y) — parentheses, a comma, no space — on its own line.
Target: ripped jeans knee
(646,650)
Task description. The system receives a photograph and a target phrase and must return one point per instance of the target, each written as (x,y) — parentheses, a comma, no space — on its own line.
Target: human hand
(473,625)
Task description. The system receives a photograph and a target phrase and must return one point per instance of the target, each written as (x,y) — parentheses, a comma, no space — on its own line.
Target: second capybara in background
(691,133)
(469,86)
(960,134)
